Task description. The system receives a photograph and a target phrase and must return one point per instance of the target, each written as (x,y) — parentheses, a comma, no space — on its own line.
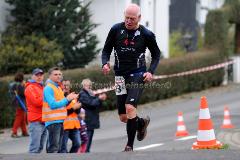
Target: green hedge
(159,89)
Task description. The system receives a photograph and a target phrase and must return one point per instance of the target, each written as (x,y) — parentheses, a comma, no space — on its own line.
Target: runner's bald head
(133,9)
(132,16)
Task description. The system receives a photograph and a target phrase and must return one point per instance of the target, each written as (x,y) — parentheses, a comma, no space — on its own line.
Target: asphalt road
(143,155)
(160,142)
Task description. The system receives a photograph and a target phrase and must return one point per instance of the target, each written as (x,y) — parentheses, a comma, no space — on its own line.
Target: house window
(136,2)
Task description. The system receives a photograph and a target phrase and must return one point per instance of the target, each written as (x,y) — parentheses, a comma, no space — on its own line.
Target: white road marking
(186,138)
(149,146)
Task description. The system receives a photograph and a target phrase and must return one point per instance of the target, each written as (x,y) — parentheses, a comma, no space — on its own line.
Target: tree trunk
(237,39)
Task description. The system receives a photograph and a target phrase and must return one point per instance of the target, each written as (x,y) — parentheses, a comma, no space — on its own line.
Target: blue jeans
(90,137)
(38,135)
(55,134)
(74,135)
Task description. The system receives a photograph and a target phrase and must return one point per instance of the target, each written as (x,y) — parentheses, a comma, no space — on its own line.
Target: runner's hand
(147,77)
(106,69)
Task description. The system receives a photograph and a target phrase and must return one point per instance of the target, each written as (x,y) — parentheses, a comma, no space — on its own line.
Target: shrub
(216,31)
(7,111)
(27,53)
(200,40)
(233,10)
(176,49)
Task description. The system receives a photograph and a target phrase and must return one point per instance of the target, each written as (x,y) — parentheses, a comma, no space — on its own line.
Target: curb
(230,137)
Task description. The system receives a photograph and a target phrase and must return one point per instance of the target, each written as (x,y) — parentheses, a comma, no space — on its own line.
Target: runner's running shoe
(142,132)
(128,149)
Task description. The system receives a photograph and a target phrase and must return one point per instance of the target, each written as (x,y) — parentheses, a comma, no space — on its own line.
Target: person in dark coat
(91,103)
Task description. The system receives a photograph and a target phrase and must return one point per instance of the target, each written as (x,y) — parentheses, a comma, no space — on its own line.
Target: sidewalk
(7,143)
(6,135)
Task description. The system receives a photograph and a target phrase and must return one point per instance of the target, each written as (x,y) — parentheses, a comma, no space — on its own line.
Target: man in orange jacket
(34,101)
(71,124)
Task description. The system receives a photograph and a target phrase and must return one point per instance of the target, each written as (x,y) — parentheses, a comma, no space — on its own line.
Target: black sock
(131,131)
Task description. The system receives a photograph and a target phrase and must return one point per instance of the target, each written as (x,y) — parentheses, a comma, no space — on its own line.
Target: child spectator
(83,132)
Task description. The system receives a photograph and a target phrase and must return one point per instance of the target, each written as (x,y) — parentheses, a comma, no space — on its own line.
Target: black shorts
(134,85)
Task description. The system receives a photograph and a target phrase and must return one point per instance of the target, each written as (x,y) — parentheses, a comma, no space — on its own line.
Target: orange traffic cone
(181,128)
(226,120)
(206,136)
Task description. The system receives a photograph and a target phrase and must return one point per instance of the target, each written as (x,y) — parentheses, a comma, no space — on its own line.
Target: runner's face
(132,19)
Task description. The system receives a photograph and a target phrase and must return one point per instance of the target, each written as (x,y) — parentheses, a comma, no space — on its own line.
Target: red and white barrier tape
(200,70)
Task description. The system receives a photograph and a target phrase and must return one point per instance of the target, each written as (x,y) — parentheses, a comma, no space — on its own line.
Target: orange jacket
(34,100)
(71,122)
(49,114)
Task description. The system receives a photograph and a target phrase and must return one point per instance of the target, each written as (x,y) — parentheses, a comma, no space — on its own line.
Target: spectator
(83,132)
(54,109)
(71,124)
(91,103)
(17,89)
(34,101)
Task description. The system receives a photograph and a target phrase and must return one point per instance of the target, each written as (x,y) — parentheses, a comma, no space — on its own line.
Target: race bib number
(120,85)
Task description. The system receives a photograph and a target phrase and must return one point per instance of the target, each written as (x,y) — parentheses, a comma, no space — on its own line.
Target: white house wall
(155,16)
(161,25)
(147,10)
(106,13)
